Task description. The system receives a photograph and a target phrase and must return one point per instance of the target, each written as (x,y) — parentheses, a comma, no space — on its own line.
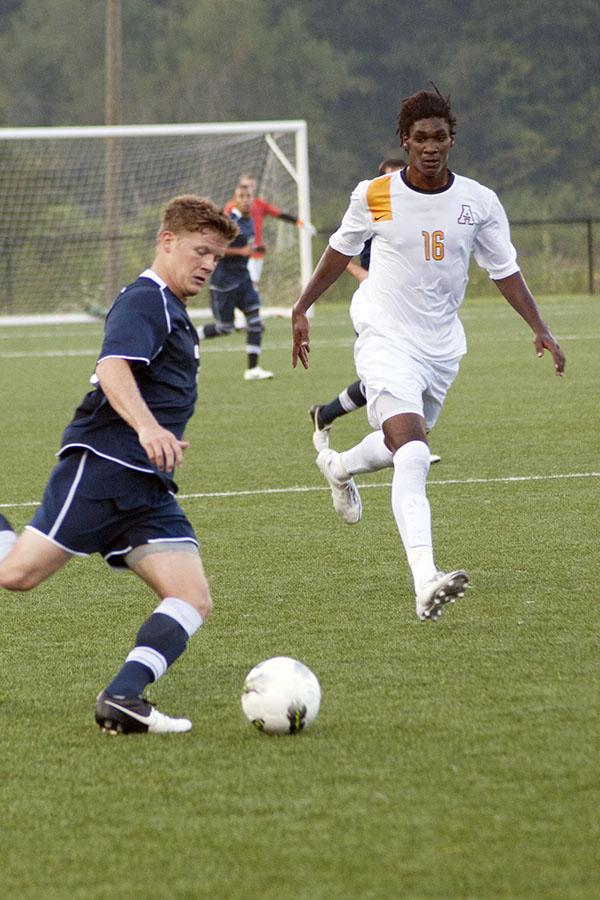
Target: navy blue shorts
(93,505)
(224,303)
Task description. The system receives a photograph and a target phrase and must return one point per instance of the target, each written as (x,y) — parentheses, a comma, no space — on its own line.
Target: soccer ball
(281,696)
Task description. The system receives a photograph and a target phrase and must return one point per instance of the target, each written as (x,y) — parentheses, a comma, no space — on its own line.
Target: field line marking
(306,489)
(386,484)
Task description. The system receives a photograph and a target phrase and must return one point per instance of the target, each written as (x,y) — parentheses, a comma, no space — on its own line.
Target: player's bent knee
(207,606)
(173,570)
(200,600)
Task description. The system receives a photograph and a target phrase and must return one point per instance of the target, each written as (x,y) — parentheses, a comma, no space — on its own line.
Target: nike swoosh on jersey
(379,198)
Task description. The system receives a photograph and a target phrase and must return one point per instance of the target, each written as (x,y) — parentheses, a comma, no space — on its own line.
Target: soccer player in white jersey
(354,396)
(425,222)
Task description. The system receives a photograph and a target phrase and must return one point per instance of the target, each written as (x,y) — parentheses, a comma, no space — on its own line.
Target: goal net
(80,206)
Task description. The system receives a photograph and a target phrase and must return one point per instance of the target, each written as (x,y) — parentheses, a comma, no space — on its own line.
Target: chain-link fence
(556,256)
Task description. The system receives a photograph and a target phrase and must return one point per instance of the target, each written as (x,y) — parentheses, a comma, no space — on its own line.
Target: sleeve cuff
(345,247)
(498,274)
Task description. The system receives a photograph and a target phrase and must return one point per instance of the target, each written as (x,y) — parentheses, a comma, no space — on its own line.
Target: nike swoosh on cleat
(128,712)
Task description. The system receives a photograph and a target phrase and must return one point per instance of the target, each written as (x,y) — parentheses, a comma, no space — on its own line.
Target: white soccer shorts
(398,383)
(255,267)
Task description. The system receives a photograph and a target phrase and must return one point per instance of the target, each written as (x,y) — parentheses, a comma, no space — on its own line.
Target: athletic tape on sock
(184,614)
(150,658)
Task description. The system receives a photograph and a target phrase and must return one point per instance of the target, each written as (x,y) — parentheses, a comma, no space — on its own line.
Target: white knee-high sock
(368,456)
(411,508)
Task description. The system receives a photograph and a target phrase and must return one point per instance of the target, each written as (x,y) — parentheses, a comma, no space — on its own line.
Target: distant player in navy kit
(231,288)
(112,491)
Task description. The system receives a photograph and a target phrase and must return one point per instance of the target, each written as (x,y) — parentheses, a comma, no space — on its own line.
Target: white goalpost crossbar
(81,205)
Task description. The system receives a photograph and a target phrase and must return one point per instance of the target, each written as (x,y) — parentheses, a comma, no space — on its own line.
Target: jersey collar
(149,273)
(411,187)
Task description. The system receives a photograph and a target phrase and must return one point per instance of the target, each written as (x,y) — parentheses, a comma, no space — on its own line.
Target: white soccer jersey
(422,242)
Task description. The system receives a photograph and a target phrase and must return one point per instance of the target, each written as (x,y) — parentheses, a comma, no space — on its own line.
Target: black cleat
(320,436)
(134,715)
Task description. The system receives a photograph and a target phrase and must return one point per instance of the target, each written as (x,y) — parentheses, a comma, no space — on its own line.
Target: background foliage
(523,76)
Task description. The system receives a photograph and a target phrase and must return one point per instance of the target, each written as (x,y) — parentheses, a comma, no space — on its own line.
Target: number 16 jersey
(422,244)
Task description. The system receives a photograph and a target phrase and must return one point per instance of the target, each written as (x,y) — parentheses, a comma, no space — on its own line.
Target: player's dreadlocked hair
(425,105)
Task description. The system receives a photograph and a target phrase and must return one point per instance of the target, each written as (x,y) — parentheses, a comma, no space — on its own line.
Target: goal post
(81,205)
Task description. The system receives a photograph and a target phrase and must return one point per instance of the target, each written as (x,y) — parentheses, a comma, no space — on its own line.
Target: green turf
(456,760)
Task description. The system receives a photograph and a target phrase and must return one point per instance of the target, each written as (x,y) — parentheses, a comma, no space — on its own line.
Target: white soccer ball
(281,696)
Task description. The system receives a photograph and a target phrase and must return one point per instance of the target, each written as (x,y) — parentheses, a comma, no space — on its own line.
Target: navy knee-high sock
(161,640)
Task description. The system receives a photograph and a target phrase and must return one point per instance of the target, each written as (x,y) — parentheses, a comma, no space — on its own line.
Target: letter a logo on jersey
(466,216)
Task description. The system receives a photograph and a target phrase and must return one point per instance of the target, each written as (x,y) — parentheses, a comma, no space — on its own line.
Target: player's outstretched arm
(515,290)
(308,226)
(329,268)
(357,271)
(164,450)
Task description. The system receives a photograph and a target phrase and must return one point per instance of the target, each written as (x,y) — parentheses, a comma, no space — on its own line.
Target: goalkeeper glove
(308,227)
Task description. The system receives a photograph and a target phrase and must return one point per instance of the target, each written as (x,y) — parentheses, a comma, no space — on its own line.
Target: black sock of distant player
(159,642)
(330,412)
(348,400)
(355,393)
(210,331)
(254,333)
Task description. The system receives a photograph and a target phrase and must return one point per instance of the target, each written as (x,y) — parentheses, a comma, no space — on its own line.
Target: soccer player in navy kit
(112,491)
(231,288)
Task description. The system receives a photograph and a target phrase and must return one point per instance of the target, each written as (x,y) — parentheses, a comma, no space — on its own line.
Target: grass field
(456,760)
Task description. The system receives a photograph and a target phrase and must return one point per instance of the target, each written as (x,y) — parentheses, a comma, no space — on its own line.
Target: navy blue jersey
(232,270)
(365,255)
(148,326)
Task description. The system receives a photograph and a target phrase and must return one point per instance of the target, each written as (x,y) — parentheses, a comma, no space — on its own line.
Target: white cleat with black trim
(257,374)
(346,499)
(135,715)
(444,587)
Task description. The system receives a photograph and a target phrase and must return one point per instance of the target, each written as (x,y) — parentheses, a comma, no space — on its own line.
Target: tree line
(523,77)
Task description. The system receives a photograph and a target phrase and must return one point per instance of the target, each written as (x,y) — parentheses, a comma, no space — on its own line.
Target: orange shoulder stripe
(379,199)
